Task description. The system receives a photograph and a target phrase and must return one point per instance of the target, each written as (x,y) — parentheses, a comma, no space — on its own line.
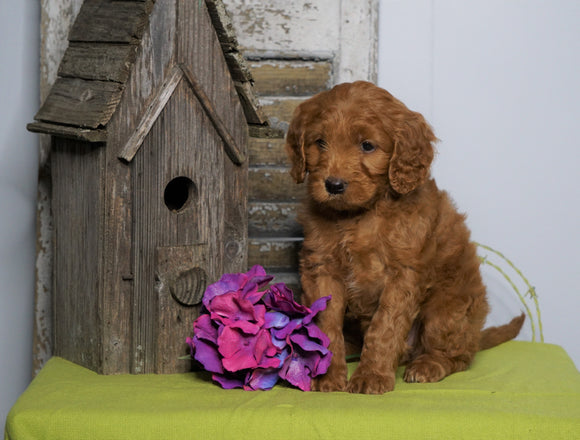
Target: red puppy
(385,242)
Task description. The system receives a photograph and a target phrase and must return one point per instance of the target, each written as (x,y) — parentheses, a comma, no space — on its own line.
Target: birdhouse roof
(103,46)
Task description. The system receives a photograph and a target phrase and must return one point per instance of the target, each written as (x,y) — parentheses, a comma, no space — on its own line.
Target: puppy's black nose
(334,185)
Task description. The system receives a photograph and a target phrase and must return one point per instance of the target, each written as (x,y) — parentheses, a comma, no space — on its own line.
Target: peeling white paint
(344,31)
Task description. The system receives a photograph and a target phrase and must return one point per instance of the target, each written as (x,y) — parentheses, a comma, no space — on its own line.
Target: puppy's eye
(321,144)
(367,147)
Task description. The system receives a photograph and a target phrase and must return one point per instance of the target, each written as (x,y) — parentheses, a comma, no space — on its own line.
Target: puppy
(385,242)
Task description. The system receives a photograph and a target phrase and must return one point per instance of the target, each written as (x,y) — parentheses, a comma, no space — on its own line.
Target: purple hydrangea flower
(249,338)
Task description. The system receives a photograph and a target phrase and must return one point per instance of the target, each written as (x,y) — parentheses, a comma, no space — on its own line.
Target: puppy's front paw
(370,383)
(424,369)
(328,383)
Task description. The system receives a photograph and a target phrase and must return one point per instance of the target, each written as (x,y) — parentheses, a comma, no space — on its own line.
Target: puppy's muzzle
(335,186)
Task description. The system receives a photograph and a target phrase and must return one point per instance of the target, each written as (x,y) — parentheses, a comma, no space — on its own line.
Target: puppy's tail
(492,336)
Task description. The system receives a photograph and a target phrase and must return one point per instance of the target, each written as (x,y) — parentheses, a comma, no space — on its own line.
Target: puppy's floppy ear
(295,146)
(412,154)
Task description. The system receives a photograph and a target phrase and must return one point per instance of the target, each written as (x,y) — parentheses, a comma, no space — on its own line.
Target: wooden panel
(110,21)
(273,184)
(97,61)
(273,220)
(280,111)
(77,177)
(181,144)
(80,102)
(199,51)
(155,59)
(268,152)
(265,131)
(279,254)
(119,272)
(291,78)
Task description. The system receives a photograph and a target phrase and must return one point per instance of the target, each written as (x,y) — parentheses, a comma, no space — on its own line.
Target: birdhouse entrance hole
(178,193)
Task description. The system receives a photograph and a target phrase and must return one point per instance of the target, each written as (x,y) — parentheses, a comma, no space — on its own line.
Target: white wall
(19,23)
(500,83)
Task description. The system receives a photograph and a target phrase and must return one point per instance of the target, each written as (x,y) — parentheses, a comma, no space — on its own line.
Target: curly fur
(385,242)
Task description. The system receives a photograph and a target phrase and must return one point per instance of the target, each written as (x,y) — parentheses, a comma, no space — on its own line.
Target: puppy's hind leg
(449,337)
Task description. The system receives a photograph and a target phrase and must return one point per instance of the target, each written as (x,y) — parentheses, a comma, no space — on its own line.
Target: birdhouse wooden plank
(149,176)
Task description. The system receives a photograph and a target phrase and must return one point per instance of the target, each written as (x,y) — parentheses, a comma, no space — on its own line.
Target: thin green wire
(531,291)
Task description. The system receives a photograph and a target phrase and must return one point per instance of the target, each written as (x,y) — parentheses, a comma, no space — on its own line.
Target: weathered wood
(265,132)
(153,247)
(275,254)
(223,25)
(280,110)
(110,21)
(250,104)
(167,153)
(151,68)
(81,103)
(198,49)
(273,184)
(98,61)
(54,28)
(291,78)
(238,67)
(230,145)
(81,134)
(77,183)
(152,112)
(273,220)
(268,151)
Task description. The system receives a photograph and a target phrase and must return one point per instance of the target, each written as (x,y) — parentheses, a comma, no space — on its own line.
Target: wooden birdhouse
(148,122)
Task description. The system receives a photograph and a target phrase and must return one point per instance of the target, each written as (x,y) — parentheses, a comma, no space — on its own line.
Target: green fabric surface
(519,390)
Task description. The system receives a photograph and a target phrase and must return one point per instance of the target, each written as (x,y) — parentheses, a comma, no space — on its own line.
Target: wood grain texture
(230,146)
(201,52)
(110,21)
(77,182)
(223,25)
(273,184)
(291,77)
(271,219)
(280,110)
(65,131)
(98,61)
(274,254)
(152,112)
(250,104)
(181,139)
(268,152)
(150,69)
(81,103)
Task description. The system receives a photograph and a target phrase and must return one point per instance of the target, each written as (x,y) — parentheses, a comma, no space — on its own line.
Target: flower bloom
(249,338)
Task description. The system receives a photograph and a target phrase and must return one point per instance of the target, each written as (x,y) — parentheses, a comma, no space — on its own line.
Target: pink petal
(307,344)
(228,381)
(203,328)
(261,379)
(236,350)
(317,306)
(207,355)
(294,372)
(276,319)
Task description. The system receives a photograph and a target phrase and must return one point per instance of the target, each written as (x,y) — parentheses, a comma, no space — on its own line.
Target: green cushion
(519,390)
